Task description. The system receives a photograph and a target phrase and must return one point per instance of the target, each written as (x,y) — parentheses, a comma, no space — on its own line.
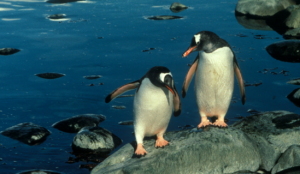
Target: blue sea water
(108,38)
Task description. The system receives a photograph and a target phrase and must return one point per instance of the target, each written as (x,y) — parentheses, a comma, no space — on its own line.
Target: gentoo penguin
(214,66)
(154,100)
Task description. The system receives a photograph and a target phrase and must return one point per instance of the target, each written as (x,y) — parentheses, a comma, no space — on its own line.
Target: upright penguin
(154,100)
(214,66)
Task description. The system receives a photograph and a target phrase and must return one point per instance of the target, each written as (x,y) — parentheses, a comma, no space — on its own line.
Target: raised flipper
(176,103)
(189,77)
(240,80)
(121,90)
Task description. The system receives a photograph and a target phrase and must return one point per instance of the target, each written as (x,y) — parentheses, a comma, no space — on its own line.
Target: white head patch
(197,38)
(163,75)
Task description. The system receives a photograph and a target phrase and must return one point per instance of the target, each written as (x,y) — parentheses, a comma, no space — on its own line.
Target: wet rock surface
(50,75)
(262,8)
(27,133)
(289,159)
(128,122)
(294,81)
(92,77)
(164,17)
(177,7)
(76,123)
(37,171)
(218,150)
(57,16)
(95,140)
(8,51)
(294,97)
(287,51)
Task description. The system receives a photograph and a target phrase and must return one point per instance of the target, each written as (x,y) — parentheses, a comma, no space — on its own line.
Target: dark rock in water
(289,159)
(62,1)
(37,171)
(294,97)
(118,107)
(75,123)
(248,145)
(129,122)
(294,81)
(50,75)
(253,84)
(57,16)
(177,7)
(252,23)
(8,51)
(164,17)
(262,8)
(96,140)
(91,77)
(286,51)
(27,133)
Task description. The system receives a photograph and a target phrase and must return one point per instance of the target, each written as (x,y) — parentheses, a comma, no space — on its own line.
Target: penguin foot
(140,151)
(161,142)
(204,124)
(220,123)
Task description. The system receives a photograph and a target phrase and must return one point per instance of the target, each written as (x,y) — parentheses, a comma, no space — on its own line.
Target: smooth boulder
(75,123)
(95,140)
(27,133)
(262,8)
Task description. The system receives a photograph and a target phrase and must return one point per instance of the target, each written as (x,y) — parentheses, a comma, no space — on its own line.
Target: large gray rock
(95,140)
(253,143)
(293,20)
(75,123)
(28,133)
(290,158)
(292,34)
(262,8)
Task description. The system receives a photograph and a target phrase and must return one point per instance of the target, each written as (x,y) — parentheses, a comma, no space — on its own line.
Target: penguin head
(161,77)
(203,41)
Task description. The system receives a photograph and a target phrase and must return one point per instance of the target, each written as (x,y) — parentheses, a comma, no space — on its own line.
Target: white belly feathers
(152,108)
(214,81)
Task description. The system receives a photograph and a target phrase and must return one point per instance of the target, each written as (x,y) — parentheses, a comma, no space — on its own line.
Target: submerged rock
(62,1)
(91,77)
(294,81)
(75,123)
(27,133)
(164,17)
(262,8)
(128,122)
(177,7)
(8,51)
(95,140)
(250,144)
(287,51)
(289,159)
(57,16)
(294,97)
(118,107)
(37,171)
(50,75)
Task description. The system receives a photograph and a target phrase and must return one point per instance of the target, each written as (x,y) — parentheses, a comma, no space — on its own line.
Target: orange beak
(170,89)
(187,52)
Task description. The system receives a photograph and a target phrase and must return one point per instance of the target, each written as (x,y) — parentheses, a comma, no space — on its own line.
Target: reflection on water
(253,23)
(62,1)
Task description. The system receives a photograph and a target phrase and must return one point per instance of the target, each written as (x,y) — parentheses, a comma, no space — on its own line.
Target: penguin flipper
(189,76)
(176,103)
(121,90)
(240,80)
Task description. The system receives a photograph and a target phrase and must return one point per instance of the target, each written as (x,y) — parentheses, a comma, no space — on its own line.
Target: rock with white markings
(27,133)
(95,140)
(75,123)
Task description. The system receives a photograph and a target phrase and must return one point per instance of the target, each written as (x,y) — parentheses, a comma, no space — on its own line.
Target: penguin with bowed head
(214,66)
(155,99)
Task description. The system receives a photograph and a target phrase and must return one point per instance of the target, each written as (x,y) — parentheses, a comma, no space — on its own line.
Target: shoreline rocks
(251,144)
